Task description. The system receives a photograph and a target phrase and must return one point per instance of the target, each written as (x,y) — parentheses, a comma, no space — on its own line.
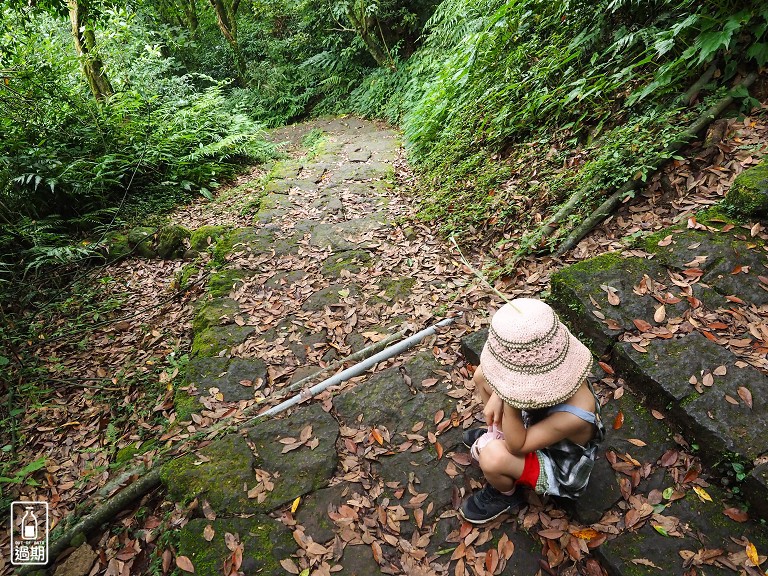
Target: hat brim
(531,391)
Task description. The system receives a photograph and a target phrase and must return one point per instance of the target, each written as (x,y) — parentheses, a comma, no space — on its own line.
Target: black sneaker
(469,436)
(488,503)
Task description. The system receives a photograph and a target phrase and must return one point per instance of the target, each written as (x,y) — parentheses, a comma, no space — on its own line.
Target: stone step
(686,364)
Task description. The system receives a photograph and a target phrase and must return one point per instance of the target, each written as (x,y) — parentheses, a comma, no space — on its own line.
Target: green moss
(221,283)
(349,261)
(214,339)
(199,238)
(211,313)
(170,241)
(126,453)
(569,277)
(117,245)
(140,239)
(239,239)
(185,405)
(77,540)
(393,289)
(269,202)
(276,187)
(187,272)
(265,543)
(716,216)
(284,169)
(748,195)
(220,479)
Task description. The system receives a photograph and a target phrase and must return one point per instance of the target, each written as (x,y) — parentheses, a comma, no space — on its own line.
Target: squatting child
(543,416)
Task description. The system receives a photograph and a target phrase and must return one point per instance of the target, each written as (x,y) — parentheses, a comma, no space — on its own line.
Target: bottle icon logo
(29,525)
(29,533)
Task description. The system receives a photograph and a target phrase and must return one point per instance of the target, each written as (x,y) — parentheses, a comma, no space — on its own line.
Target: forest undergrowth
(506,109)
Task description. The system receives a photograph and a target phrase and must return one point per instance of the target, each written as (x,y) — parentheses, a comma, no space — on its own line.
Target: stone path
(376,465)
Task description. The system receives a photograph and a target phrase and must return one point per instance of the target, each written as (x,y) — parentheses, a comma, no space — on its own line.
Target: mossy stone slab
(282,279)
(603,488)
(285,169)
(221,283)
(171,240)
(350,260)
(574,288)
(205,237)
(217,339)
(748,264)
(315,171)
(358,560)
(116,246)
(265,542)
(226,374)
(330,296)
(721,427)
(525,561)
(285,185)
(357,151)
(141,240)
(748,194)
(273,202)
(313,512)
(223,480)
(662,375)
(373,170)
(637,423)
(756,491)
(646,545)
(724,253)
(706,528)
(216,312)
(686,245)
(427,473)
(299,471)
(324,235)
(527,558)
(472,346)
(386,400)
(255,241)
(395,289)
(329,204)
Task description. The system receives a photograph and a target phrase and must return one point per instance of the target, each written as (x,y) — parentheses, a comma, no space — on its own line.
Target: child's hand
(493,411)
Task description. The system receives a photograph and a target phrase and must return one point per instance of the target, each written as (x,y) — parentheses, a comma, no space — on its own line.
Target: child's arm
(555,427)
(494,410)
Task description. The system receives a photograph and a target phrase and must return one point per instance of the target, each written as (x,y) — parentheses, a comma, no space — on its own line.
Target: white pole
(357,369)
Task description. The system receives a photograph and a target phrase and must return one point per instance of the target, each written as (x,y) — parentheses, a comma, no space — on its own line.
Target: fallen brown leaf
(184,563)
(745,395)
(736,514)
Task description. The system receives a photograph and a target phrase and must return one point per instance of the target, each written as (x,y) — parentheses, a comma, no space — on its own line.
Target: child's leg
(500,467)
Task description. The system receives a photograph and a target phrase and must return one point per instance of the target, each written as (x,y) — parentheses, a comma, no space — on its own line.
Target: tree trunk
(226,15)
(85,44)
(190,15)
(364,25)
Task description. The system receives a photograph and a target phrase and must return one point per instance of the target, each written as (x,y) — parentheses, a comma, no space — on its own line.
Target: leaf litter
(147,345)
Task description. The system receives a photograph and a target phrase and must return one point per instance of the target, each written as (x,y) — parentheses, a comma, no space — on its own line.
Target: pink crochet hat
(531,360)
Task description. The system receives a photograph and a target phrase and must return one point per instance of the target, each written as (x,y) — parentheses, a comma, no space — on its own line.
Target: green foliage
(69,164)
(603,80)
(21,476)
